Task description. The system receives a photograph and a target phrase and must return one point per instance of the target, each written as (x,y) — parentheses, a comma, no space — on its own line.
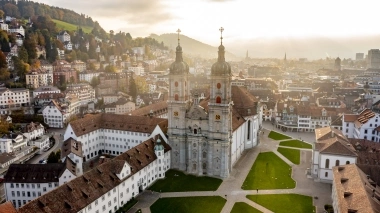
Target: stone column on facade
(189,163)
(210,147)
(224,171)
(182,154)
(200,155)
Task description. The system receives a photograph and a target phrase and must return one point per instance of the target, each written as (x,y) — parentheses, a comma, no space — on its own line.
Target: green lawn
(284,203)
(296,144)
(241,207)
(70,27)
(176,181)
(269,172)
(212,204)
(291,154)
(277,136)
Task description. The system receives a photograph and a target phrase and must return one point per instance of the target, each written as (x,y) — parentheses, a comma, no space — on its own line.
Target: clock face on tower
(217,117)
(175,113)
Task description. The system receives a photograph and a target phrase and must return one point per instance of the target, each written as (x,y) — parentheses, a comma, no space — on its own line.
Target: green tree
(91,66)
(132,88)
(52,158)
(1,14)
(23,54)
(94,81)
(141,85)
(110,69)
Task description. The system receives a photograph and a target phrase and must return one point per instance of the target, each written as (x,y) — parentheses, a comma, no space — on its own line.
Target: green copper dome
(179,67)
(221,67)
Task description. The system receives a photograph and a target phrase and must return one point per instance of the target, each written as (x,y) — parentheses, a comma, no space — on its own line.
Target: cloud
(142,12)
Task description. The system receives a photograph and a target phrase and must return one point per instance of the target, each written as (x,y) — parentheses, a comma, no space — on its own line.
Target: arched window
(218,100)
(249,130)
(204,166)
(204,154)
(327,164)
(347,162)
(337,163)
(195,131)
(176,97)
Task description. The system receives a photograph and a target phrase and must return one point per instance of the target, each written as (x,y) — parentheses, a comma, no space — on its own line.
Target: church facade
(208,137)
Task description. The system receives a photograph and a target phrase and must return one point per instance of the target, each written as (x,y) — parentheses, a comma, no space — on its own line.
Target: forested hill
(26,9)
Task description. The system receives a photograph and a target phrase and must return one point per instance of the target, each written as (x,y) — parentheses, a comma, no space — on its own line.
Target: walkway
(231,187)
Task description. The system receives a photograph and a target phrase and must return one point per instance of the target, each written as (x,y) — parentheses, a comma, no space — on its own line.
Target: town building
(12,143)
(208,137)
(331,149)
(63,36)
(114,81)
(78,65)
(111,184)
(46,98)
(45,90)
(38,78)
(33,130)
(373,59)
(83,91)
(120,107)
(13,98)
(56,114)
(17,29)
(64,75)
(113,134)
(26,182)
(159,110)
(362,126)
(88,75)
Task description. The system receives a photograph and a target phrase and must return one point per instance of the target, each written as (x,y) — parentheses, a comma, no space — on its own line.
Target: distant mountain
(191,46)
(315,47)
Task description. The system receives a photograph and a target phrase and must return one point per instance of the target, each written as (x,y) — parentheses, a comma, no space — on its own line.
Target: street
(58,136)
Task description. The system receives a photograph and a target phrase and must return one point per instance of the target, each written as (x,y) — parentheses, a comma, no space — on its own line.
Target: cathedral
(208,137)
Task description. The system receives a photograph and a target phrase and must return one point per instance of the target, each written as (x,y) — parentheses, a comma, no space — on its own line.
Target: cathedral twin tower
(201,134)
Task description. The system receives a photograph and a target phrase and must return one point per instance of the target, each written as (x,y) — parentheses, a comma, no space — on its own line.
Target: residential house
(63,36)
(83,91)
(38,78)
(46,90)
(122,106)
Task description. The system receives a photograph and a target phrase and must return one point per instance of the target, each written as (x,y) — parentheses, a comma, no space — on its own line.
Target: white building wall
(53,117)
(325,173)
(21,193)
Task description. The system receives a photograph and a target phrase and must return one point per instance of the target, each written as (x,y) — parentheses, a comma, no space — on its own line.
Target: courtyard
(242,191)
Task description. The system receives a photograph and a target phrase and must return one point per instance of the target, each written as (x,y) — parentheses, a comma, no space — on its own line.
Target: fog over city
(312,29)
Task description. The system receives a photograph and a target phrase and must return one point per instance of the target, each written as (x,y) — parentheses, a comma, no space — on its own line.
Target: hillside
(191,46)
(61,25)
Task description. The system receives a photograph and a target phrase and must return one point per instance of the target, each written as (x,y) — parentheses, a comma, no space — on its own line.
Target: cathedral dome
(221,67)
(179,67)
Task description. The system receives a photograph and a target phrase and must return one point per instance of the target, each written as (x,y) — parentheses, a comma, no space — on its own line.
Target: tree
(53,158)
(23,54)
(3,60)
(4,74)
(132,88)
(94,81)
(110,69)
(91,66)
(141,85)
(1,14)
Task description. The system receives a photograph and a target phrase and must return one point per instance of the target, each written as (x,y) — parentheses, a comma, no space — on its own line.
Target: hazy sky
(201,19)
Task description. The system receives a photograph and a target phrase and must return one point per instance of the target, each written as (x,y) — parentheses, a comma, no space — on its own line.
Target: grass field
(241,207)
(285,203)
(269,172)
(176,181)
(296,144)
(70,27)
(277,136)
(212,204)
(291,154)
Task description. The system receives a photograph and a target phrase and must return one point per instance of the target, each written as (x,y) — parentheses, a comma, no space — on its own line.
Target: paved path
(231,187)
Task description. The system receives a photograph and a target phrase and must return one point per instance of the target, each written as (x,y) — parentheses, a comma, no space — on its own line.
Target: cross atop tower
(178,31)
(221,35)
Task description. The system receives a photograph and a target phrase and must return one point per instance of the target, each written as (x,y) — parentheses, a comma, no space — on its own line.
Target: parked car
(41,161)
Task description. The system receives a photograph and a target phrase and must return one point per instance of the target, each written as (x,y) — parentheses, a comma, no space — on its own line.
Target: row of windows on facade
(115,131)
(337,163)
(33,185)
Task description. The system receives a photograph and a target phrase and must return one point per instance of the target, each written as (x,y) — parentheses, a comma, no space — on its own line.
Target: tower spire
(178,31)
(178,56)
(221,35)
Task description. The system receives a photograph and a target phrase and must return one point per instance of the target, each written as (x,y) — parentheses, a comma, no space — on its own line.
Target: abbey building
(208,137)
